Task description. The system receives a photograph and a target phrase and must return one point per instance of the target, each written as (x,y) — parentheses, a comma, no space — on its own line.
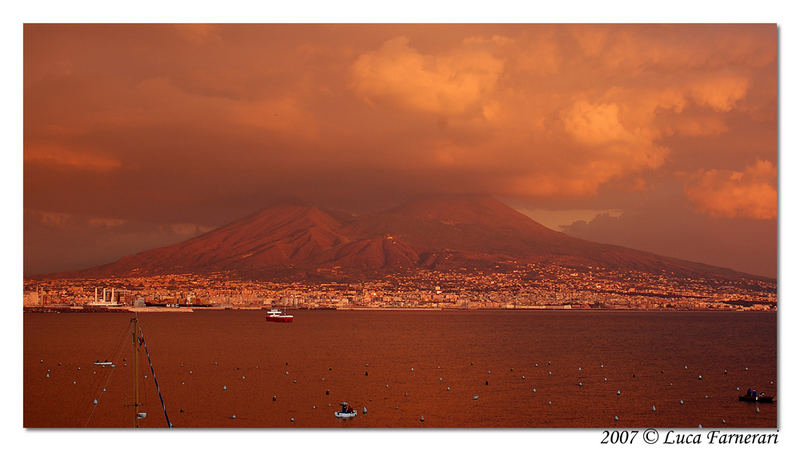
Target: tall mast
(134,321)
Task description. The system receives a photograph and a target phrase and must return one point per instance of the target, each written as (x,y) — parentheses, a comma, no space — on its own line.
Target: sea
(408,369)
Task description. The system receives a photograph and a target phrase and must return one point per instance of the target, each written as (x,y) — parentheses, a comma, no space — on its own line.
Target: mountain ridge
(437,233)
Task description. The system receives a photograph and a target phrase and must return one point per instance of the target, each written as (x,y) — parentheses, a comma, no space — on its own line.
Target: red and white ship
(276,316)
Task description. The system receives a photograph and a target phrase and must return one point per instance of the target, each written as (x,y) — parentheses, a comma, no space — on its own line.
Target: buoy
(724,371)
(47,375)
(616,418)
(327,392)
(549,373)
(94,372)
(366,373)
(294,381)
(580,369)
(618,393)
(314,406)
(706,396)
(490,371)
(654,408)
(438,367)
(421,419)
(737,388)
(537,365)
(104,389)
(681,402)
(746,368)
(366,364)
(601,366)
(233,416)
(323,379)
(59,363)
(549,403)
(685,367)
(94,402)
(405,394)
(634,375)
(549,363)
(771,382)
(364,410)
(605,379)
(286,372)
(475,397)
(41,361)
(412,368)
(440,379)
(79,368)
(330,369)
(243,377)
(190,371)
(700,426)
(534,389)
(723,421)
(487,382)
(216,363)
(224,387)
(758,410)
(512,369)
(523,377)
(181,410)
(183,383)
(286,364)
(700,377)
(291,419)
(448,388)
(580,384)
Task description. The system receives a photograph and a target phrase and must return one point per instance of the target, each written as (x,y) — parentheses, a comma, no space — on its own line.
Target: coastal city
(532,286)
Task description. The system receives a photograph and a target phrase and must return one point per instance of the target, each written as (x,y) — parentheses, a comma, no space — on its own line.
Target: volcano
(292,239)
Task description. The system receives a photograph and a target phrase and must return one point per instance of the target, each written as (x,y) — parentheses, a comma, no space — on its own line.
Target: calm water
(238,349)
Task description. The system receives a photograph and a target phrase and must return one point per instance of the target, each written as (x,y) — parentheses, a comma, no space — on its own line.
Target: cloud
(52,218)
(720,93)
(106,222)
(563,219)
(448,83)
(750,193)
(57,155)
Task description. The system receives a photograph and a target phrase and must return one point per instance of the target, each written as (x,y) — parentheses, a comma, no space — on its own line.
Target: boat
(105,363)
(760,397)
(346,412)
(276,316)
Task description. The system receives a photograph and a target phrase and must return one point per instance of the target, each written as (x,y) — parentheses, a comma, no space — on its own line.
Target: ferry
(276,316)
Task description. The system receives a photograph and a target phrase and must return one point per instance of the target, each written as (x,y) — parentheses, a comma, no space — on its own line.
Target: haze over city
(659,137)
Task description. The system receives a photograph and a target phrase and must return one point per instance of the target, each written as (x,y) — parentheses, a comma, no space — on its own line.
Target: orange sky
(661,138)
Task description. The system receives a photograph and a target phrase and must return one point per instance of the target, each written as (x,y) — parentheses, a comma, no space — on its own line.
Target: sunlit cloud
(751,193)
(448,83)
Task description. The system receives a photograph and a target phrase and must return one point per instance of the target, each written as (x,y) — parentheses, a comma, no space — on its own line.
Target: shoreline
(79,309)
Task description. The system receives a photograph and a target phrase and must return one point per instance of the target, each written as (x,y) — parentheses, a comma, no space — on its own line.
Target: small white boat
(105,363)
(345,412)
